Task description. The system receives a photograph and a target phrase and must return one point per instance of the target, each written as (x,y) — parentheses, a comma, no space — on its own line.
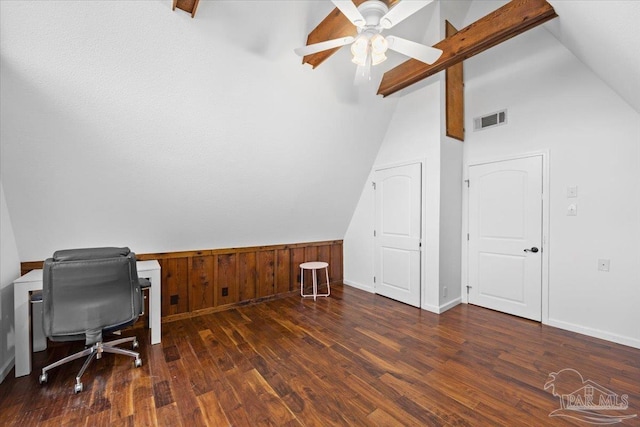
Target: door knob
(533,249)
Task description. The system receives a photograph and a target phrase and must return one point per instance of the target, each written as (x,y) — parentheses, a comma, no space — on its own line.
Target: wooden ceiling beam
(512,19)
(189,6)
(334,26)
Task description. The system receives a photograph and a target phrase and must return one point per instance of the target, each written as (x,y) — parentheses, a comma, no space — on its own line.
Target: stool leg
(315,284)
(326,270)
(326,274)
(301,282)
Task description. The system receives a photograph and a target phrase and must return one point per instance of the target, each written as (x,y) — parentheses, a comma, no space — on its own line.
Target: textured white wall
(124,123)
(416,132)
(593,136)
(451,187)
(9,271)
(413,134)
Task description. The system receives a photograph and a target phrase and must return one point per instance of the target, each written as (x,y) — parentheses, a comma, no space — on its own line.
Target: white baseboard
(619,339)
(449,305)
(359,286)
(439,309)
(8,366)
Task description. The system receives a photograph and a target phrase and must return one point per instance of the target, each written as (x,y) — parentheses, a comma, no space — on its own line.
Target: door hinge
(467,181)
(374,233)
(467,236)
(468,287)
(374,279)
(373,184)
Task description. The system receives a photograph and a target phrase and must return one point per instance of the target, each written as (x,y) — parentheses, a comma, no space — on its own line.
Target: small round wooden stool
(314,266)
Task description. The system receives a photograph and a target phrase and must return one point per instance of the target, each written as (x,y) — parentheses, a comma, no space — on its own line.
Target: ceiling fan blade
(426,54)
(350,10)
(401,11)
(363,74)
(319,47)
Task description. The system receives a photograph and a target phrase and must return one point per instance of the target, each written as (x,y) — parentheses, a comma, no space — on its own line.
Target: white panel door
(505,236)
(397,234)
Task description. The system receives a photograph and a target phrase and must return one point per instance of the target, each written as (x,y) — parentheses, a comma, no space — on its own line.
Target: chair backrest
(86,291)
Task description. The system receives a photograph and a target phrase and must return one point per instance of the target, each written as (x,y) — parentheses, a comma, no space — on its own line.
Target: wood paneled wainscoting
(197,282)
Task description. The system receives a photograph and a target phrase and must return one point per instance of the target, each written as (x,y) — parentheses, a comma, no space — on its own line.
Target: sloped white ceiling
(124,123)
(602,34)
(605,36)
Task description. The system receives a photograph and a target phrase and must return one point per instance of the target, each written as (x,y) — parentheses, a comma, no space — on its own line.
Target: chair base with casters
(95,351)
(86,294)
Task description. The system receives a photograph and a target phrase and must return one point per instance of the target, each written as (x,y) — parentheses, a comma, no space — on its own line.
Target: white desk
(32,281)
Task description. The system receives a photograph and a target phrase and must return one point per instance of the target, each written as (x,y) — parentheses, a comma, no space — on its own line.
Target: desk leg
(155,306)
(22,348)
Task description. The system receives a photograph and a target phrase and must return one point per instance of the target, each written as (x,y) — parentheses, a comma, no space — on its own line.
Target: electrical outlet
(444,292)
(225,292)
(572,210)
(603,265)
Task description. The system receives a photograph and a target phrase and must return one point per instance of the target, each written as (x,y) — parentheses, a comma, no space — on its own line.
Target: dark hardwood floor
(351,359)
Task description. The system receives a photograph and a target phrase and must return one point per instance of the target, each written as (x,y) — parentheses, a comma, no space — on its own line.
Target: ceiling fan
(369,46)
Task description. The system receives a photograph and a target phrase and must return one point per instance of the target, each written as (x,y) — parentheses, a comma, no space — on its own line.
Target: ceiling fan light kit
(367,47)
(370,46)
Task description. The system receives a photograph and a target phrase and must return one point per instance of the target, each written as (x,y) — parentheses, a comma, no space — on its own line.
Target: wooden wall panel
(247,275)
(311,253)
(175,286)
(283,271)
(335,266)
(201,292)
(226,286)
(192,281)
(297,258)
(324,254)
(266,273)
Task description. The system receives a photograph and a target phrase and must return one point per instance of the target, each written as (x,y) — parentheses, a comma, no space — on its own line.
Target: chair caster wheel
(77,388)
(138,363)
(135,345)
(43,378)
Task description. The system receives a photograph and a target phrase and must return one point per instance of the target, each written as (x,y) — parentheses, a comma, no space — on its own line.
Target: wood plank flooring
(351,359)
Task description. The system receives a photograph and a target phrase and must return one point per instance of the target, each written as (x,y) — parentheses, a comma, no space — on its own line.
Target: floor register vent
(490,120)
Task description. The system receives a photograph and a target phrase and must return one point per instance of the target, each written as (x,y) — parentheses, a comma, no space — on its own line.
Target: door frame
(545,223)
(423,239)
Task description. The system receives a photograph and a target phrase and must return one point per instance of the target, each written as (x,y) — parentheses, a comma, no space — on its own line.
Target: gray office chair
(87,293)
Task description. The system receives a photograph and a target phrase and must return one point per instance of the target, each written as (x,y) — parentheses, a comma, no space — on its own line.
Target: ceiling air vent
(490,120)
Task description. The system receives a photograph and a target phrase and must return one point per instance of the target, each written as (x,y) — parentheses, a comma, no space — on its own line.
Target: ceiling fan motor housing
(372,11)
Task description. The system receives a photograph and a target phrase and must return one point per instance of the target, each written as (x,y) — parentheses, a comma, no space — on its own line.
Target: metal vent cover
(490,120)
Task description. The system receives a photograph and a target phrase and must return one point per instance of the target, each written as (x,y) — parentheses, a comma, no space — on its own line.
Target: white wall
(555,103)
(9,271)
(124,123)
(413,135)
(416,133)
(451,187)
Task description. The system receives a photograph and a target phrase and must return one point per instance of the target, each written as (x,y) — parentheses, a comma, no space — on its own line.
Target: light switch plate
(572,191)
(572,210)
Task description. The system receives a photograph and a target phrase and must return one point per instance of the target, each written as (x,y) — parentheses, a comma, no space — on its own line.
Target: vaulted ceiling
(604,35)
(210,130)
